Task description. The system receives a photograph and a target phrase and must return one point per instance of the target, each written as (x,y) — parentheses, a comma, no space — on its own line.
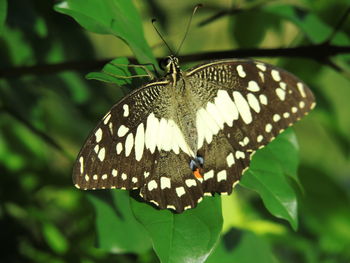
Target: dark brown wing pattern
(147,140)
(251,103)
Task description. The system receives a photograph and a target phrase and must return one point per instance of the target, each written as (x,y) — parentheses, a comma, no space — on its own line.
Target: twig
(316,52)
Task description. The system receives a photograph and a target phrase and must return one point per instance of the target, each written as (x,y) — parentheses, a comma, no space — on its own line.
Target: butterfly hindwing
(171,183)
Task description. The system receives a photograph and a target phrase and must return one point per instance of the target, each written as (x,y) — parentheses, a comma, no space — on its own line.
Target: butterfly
(191,133)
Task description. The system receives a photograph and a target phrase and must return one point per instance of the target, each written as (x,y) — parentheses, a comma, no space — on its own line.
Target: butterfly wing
(138,146)
(147,142)
(115,154)
(246,104)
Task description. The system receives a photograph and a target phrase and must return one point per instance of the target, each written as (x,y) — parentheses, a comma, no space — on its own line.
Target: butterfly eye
(163,63)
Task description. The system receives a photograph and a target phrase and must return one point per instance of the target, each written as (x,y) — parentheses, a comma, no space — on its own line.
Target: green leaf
(266,177)
(117,72)
(3,11)
(250,21)
(116,17)
(286,143)
(55,238)
(243,247)
(117,229)
(316,30)
(186,237)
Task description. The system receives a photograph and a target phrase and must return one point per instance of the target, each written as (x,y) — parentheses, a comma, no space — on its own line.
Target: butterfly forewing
(266,99)
(219,112)
(112,154)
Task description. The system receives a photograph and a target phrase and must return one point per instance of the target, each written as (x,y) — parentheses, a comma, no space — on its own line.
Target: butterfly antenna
(188,27)
(160,35)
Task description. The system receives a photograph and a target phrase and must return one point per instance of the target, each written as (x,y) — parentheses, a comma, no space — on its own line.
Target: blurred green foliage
(44,119)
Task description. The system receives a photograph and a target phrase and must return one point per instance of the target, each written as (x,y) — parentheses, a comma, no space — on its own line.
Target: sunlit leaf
(186,237)
(266,177)
(55,238)
(243,247)
(116,17)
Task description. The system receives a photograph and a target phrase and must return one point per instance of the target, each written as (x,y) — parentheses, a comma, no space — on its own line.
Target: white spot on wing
(151,132)
(301,89)
(187,207)
(261,75)
(114,173)
(230,160)
(221,176)
(240,155)
(263,99)
(157,134)
(259,138)
(96,148)
(165,183)
(126,110)
(180,191)
(98,135)
(276,117)
(208,175)
(101,154)
(253,102)
(215,113)
(110,126)
(286,115)
(163,142)
(235,183)
(281,93)
(129,143)
(124,176)
(122,130)
(275,75)
(106,119)
(268,127)
(119,147)
(261,66)
(226,107)
(81,161)
(178,139)
(240,71)
(283,85)
(190,182)
(206,126)
(253,86)
(139,142)
(104,177)
(243,107)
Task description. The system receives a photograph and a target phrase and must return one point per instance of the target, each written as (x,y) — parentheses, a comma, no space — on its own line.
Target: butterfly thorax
(172,70)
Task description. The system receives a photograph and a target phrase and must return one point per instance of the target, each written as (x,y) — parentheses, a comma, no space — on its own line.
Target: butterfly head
(170,65)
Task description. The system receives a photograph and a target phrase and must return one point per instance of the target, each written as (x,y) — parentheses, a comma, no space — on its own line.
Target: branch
(316,52)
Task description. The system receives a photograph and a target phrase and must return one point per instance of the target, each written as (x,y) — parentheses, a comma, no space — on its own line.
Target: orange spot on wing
(197,174)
